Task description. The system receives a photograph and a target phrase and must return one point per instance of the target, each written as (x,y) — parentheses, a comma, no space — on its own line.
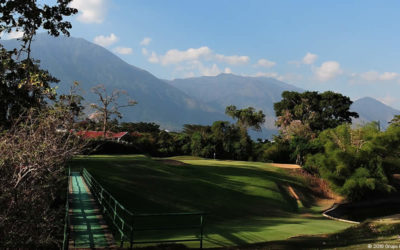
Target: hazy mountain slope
(262,92)
(370,109)
(228,89)
(74,59)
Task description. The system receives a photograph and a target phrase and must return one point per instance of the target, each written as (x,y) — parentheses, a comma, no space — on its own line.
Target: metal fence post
(201,231)
(131,237)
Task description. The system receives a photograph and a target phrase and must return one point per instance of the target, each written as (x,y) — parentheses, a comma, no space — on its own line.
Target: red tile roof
(98,134)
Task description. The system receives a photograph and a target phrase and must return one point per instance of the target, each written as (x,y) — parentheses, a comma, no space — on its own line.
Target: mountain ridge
(75,59)
(172,103)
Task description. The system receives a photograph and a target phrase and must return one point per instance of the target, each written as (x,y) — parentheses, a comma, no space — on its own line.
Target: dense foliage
(32,164)
(357,162)
(302,116)
(319,111)
(23,84)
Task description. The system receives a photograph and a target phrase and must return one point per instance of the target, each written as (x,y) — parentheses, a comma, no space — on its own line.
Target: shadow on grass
(226,193)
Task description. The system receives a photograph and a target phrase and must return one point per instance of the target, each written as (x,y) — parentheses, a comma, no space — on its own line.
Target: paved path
(88,229)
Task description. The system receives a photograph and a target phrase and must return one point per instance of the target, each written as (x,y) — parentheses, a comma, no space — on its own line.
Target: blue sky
(352,47)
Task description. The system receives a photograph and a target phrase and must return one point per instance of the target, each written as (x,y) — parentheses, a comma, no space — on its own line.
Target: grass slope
(247,202)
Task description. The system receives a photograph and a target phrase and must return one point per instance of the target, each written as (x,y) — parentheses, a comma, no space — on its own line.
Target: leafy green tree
(23,84)
(246,118)
(319,111)
(190,129)
(224,136)
(395,121)
(353,160)
(141,127)
(196,143)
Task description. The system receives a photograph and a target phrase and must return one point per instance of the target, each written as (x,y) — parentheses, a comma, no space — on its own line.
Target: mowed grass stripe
(246,202)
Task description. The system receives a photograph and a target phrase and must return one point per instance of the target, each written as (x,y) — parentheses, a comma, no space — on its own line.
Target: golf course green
(245,202)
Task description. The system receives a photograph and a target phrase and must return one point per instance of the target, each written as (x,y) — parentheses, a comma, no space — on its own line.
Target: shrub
(32,180)
(353,161)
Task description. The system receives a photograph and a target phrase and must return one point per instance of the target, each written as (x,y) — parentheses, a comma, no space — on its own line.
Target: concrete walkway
(88,229)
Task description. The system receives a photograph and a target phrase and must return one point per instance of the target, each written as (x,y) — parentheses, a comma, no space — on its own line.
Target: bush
(278,152)
(32,180)
(353,161)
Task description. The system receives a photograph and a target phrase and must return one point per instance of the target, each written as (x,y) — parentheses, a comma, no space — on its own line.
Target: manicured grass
(373,234)
(246,202)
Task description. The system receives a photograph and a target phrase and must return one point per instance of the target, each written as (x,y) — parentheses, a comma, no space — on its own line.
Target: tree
(224,136)
(318,111)
(246,118)
(27,16)
(71,103)
(23,84)
(142,127)
(395,122)
(109,105)
(353,160)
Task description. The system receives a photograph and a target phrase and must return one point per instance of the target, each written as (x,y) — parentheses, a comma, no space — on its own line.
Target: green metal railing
(126,224)
(66,218)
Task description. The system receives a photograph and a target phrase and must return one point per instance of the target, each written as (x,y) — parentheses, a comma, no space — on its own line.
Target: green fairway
(246,202)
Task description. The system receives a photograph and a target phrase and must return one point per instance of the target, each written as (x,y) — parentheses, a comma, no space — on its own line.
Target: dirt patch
(287,166)
(391,219)
(319,187)
(172,162)
(293,193)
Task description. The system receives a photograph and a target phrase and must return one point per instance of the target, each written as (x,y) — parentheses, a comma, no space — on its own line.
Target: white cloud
(175,56)
(123,50)
(209,71)
(369,76)
(145,52)
(153,58)
(373,76)
(388,76)
(105,40)
(146,41)
(90,11)
(265,63)
(227,70)
(327,71)
(309,58)
(196,67)
(233,60)
(198,61)
(12,35)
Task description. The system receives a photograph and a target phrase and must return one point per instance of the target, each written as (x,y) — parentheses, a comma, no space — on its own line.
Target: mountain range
(170,103)
(370,109)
